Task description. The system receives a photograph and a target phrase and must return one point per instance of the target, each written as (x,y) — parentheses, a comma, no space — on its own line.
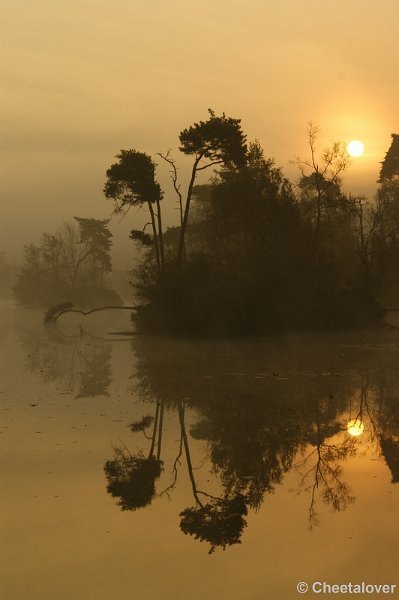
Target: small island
(253,254)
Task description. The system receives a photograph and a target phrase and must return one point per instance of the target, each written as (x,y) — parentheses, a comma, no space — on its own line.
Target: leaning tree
(217,141)
(131,182)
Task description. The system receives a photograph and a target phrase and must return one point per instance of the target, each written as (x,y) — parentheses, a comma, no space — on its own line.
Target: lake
(152,468)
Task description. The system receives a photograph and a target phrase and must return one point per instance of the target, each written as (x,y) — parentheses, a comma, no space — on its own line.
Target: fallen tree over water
(55,312)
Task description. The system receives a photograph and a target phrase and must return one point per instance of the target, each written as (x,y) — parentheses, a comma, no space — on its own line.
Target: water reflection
(390,451)
(321,471)
(378,417)
(131,477)
(259,410)
(259,423)
(79,363)
(355,427)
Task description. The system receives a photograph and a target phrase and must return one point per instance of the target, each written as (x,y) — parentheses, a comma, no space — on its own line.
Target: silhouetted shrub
(220,523)
(131,479)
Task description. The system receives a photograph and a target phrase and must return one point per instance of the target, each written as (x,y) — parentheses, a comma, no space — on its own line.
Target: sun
(355,148)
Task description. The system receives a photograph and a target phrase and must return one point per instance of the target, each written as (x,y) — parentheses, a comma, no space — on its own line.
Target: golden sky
(82,79)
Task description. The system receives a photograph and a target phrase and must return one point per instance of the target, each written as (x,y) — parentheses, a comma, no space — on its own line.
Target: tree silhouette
(96,240)
(131,478)
(219,140)
(390,452)
(321,172)
(131,182)
(377,229)
(390,164)
(220,522)
(254,423)
(325,473)
(142,424)
(383,423)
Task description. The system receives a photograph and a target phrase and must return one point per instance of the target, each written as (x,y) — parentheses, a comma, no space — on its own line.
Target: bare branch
(215,162)
(176,462)
(173,175)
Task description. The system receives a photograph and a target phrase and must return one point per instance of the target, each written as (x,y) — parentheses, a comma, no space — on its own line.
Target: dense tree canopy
(390,164)
(255,253)
(131,182)
(219,139)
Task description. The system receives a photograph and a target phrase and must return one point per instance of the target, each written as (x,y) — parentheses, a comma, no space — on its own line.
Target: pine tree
(390,164)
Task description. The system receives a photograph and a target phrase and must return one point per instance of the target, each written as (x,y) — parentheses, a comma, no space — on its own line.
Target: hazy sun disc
(355,148)
(355,427)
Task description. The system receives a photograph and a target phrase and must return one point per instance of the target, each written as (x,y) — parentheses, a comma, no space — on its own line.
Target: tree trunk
(187,452)
(160,234)
(154,231)
(160,428)
(154,432)
(53,314)
(181,250)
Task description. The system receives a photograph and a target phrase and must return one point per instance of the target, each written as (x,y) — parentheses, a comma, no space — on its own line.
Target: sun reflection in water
(355,427)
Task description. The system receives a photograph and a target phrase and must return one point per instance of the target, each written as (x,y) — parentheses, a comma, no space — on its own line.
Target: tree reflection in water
(78,363)
(258,425)
(259,416)
(382,418)
(96,375)
(322,467)
(220,521)
(131,478)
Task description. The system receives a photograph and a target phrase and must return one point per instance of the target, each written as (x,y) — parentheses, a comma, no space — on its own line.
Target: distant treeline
(70,264)
(258,253)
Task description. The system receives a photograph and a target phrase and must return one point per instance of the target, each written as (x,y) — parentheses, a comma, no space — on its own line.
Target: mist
(199,299)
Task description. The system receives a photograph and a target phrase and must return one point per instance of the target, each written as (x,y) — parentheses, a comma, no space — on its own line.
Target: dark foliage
(260,260)
(390,164)
(140,236)
(217,139)
(131,479)
(142,424)
(220,523)
(131,181)
(390,451)
(254,254)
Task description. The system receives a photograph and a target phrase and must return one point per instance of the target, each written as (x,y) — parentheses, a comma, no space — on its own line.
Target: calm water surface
(154,469)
